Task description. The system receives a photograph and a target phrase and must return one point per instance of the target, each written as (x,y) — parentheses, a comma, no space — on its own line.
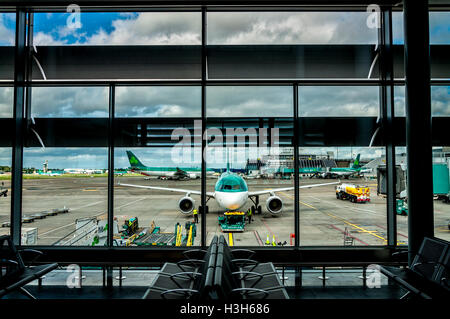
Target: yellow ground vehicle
(354,193)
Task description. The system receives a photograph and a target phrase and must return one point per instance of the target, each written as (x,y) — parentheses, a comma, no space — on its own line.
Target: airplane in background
(164,172)
(345,172)
(231,193)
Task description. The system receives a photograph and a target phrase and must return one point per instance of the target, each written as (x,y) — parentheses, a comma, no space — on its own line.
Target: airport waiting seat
(185,281)
(244,262)
(427,277)
(195,259)
(13,272)
(234,282)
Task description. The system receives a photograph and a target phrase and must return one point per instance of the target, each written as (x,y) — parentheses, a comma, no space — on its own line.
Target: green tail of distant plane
(356,164)
(134,161)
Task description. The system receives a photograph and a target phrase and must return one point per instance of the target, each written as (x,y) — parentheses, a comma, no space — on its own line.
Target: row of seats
(218,274)
(428,276)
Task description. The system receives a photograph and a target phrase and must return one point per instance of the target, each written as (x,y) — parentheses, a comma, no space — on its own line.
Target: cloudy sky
(185,29)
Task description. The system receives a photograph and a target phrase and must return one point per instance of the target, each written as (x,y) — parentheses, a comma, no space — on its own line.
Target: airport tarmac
(324,220)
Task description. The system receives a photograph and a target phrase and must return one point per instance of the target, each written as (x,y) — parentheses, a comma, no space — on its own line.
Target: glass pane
(6,102)
(290,28)
(401,195)
(249,151)
(156,190)
(441,191)
(338,101)
(78,102)
(113,45)
(157,162)
(291,45)
(439,27)
(175,101)
(7,42)
(249,101)
(439,31)
(5,190)
(346,210)
(440,101)
(65,196)
(117,28)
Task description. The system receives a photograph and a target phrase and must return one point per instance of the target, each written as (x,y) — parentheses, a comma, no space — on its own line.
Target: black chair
(13,272)
(194,281)
(442,275)
(195,259)
(245,263)
(426,277)
(235,281)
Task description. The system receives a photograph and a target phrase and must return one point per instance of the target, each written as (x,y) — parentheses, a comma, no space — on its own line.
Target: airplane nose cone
(233,206)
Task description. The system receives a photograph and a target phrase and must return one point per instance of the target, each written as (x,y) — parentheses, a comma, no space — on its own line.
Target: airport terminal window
(69,102)
(440,101)
(148,196)
(338,101)
(118,28)
(240,28)
(347,211)
(441,192)
(158,101)
(401,194)
(250,132)
(439,26)
(6,102)
(7,42)
(5,190)
(117,45)
(157,144)
(65,145)
(249,101)
(64,200)
(291,45)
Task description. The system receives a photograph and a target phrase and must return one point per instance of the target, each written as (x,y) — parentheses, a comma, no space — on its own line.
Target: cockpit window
(231,183)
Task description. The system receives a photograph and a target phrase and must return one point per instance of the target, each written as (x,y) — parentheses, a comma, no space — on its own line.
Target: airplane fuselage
(231,201)
(231,191)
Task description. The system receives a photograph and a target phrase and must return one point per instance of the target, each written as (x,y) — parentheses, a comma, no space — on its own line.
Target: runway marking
(342,220)
(90,190)
(92,204)
(258,239)
(268,228)
(356,238)
(398,233)
(230,239)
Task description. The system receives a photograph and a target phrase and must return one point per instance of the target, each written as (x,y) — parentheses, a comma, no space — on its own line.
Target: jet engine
(274,205)
(186,205)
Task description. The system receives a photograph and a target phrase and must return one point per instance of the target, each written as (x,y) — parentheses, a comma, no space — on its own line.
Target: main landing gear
(256,208)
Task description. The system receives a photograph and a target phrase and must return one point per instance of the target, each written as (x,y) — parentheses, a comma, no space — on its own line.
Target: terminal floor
(339,290)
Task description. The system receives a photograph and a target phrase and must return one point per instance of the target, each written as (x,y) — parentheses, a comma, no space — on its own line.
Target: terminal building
(128,163)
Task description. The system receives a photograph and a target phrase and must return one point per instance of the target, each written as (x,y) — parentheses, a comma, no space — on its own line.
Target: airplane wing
(176,190)
(274,190)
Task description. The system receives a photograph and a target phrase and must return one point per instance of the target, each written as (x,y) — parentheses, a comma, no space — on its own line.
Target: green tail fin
(134,161)
(356,162)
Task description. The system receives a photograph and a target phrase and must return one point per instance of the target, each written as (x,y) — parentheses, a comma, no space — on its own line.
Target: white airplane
(231,193)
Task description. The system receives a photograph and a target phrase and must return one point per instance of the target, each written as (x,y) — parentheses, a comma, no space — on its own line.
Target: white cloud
(41,38)
(69,102)
(6,34)
(175,28)
(6,101)
(289,28)
(338,101)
